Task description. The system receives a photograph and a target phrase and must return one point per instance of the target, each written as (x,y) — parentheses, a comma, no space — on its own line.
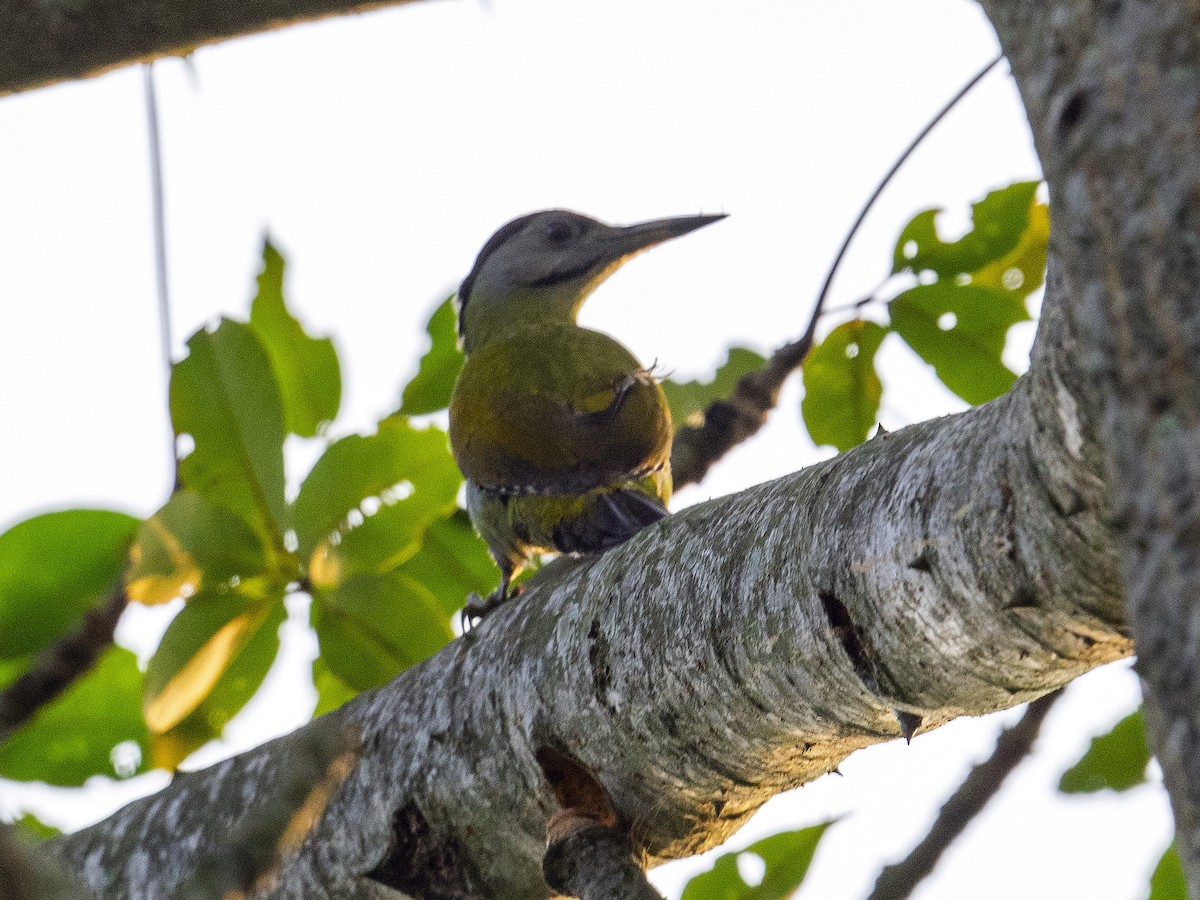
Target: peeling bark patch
(848,636)
(598,649)
(423,864)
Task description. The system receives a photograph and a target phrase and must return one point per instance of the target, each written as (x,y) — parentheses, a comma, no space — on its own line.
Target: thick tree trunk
(738,649)
(1113,94)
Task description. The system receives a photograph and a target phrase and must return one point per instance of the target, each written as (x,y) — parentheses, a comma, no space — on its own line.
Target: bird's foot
(477,608)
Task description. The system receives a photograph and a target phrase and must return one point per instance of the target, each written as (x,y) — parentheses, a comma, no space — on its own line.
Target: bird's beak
(625,241)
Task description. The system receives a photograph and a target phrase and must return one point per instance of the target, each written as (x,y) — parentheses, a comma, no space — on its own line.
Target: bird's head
(542,266)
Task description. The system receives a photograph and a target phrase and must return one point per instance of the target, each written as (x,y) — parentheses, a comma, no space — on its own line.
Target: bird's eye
(558,232)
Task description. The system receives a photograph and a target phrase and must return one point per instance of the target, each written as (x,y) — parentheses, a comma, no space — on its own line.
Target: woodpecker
(563,436)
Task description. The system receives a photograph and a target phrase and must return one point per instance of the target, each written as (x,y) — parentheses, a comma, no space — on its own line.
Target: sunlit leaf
(225,396)
(94,728)
(1167,882)
(237,684)
(960,330)
(1023,269)
(306,368)
(1114,761)
(430,388)
(999,221)
(367,501)
(55,567)
(372,627)
(452,563)
(190,545)
(197,650)
(689,399)
(786,856)
(841,387)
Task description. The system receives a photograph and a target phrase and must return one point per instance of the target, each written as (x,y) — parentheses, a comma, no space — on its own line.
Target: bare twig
(732,420)
(899,880)
(59,666)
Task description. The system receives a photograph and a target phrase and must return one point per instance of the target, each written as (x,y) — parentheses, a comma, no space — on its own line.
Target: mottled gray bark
(53,40)
(1113,94)
(735,650)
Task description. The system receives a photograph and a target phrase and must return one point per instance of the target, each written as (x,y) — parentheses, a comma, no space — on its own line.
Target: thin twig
(160,227)
(60,665)
(730,421)
(899,880)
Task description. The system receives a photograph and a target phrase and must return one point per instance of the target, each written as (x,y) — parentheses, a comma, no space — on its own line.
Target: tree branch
(56,669)
(899,880)
(56,40)
(734,650)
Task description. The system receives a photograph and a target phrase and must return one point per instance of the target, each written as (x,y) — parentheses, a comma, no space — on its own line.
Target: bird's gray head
(540,267)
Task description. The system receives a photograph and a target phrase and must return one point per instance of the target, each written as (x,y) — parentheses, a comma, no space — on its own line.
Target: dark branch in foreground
(42,43)
(62,664)
(899,880)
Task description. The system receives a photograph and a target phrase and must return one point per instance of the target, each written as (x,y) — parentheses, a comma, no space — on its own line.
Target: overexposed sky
(381,150)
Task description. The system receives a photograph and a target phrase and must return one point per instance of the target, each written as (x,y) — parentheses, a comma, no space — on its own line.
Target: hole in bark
(1024,597)
(848,636)
(1072,111)
(923,561)
(421,863)
(598,658)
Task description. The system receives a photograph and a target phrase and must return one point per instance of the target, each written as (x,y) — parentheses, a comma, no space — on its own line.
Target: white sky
(381,150)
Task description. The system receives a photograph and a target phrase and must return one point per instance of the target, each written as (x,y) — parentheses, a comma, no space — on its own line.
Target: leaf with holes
(841,387)
(306,368)
(197,651)
(430,389)
(689,399)
(960,330)
(999,220)
(190,545)
(1115,761)
(1022,270)
(53,569)
(452,562)
(94,728)
(225,396)
(372,627)
(786,858)
(368,500)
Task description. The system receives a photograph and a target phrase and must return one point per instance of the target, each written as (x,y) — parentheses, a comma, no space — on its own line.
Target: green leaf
(368,500)
(372,627)
(225,396)
(243,674)
(452,563)
(198,649)
(306,368)
(960,330)
(332,692)
(689,399)
(34,829)
(55,567)
(190,545)
(1000,218)
(841,387)
(1115,761)
(1167,882)
(1023,269)
(787,857)
(431,387)
(72,738)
